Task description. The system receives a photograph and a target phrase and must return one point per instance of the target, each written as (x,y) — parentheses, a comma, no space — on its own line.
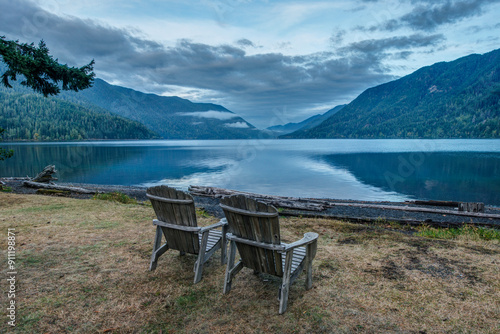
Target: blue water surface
(387,170)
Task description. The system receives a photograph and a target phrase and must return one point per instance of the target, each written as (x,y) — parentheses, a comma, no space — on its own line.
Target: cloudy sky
(271,62)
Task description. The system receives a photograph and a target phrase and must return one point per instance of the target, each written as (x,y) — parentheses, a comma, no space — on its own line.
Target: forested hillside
(170,116)
(459,99)
(32,117)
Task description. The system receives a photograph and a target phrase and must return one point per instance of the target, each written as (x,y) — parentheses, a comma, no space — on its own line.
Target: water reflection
(460,176)
(391,170)
(101,164)
(285,173)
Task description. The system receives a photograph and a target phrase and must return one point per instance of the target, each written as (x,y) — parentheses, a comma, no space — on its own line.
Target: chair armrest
(194,229)
(221,223)
(308,238)
(278,248)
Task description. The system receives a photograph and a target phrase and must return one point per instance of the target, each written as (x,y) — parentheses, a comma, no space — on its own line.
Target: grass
(83,268)
(202,213)
(467,232)
(115,197)
(5,189)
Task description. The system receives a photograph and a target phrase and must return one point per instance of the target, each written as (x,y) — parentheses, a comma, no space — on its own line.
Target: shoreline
(351,210)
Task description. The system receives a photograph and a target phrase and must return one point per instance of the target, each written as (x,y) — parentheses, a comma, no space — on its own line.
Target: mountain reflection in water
(373,170)
(467,176)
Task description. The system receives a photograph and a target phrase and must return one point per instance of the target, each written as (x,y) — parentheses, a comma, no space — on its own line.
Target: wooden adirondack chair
(254,230)
(177,222)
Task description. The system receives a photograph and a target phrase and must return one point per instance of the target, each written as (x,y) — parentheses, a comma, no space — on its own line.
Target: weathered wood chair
(254,230)
(177,222)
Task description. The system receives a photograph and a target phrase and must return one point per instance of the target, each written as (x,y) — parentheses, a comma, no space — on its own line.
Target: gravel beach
(343,211)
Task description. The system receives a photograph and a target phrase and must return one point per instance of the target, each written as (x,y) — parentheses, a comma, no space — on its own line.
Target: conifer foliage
(41,71)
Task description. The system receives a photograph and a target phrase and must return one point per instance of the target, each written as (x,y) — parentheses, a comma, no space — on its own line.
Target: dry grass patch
(83,268)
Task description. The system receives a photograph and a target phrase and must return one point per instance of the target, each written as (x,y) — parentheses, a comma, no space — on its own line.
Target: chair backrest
(256,221)
(176,207)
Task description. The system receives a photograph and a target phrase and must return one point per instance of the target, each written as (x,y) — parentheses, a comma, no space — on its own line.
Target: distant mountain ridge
(140,115)
(305,124)
(457,99)
(170,117)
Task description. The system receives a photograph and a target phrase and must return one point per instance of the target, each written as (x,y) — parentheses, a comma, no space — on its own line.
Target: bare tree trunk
(46,175)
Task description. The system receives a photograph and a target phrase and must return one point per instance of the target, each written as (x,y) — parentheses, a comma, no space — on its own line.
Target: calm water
(393,170)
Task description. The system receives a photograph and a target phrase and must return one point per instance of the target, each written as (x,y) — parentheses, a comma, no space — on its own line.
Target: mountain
(30,116)
(458,99)
(170,117)
(305,124)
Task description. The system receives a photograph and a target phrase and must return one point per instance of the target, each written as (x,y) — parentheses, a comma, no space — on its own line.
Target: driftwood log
(278,201)
(38,185)
(318,205)
(451,204)
(471,207)
(462,206)
(46,175)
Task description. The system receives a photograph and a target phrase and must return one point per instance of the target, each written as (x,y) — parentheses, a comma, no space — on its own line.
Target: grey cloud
(429,15)
(428,18)
(245,42)
(337,37)
(71,37)
(397,42)
(403,55)
(253,86)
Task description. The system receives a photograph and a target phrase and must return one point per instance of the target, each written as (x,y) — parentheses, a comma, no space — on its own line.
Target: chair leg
(230,266)
(198,266)
(310,253)
(285,286)
(156,247)
(223,245)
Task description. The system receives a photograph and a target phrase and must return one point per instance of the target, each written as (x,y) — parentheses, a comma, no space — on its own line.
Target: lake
(380,170)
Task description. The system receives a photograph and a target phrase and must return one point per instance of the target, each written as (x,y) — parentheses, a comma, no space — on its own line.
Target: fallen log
(471,207)
(424,210)
(278,201)
(320,205)
(379,220)
(38,185)
(435,203)
(11,178)
(53,192)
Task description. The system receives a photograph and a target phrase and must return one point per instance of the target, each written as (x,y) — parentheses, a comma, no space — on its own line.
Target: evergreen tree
(41,72)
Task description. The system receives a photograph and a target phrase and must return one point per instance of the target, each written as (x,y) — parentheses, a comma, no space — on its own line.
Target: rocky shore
(347,210)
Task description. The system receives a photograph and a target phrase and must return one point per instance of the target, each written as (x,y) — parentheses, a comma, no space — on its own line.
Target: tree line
(32,117)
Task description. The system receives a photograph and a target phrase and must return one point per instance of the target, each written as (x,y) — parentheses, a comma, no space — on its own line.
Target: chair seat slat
(296,259)
(213,238)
